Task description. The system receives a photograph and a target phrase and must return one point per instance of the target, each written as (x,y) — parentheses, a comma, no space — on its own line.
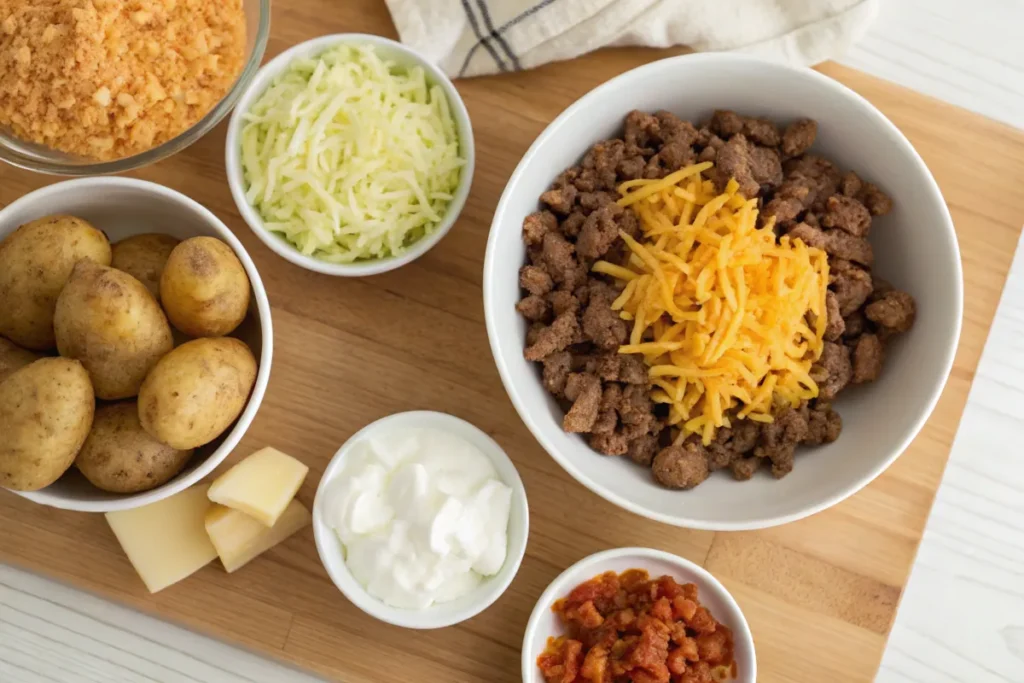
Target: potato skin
(120,456)
(204,288)
(108,320)
(143,257)
(46,410)
(35,262)
(13,357)
(196,391)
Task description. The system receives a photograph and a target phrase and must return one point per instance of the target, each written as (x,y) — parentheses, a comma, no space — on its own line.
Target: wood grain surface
(820,594)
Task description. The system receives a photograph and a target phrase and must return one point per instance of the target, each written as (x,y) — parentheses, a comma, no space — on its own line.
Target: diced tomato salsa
(628,628)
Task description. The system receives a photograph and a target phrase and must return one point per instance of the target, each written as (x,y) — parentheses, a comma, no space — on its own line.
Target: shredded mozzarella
(350,156)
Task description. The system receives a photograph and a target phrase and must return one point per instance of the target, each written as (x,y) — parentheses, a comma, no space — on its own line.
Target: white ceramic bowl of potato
(122,207)
(915,246)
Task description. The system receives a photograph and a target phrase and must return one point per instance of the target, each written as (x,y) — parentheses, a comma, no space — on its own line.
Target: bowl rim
(559,586)
(278,245)
(489,591)
(170,147)
(527,413)
(242,424)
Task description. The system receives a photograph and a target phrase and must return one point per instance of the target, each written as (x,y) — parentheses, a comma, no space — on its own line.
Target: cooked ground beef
(560,199)
(575,335)
(753,167)
(894,310)
(780,438)
(643,449)
(835,243)
(855,323)
(850,185)
(535,280)
(868,354)
(601,325)
(554,337)
(799,137)
(847,214)
(562,301)
(681,467)
(601,229)
(584,390)
(823,424)
(878,202)
(538,224)
(835,326)
(534,308)
(608,411)
(851,284)
(556,371)
(744,468)
(762,131)
(833,370)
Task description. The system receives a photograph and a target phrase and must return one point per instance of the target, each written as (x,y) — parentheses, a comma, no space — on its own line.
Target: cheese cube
(239,538)
(166,540)
(261,486)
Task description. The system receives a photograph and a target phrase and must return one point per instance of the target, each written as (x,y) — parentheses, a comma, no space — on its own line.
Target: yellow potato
(121,457)
(35,262)
(46,410)
(108,320)
(13,357)
(196,391)
(143,257)
(204,288)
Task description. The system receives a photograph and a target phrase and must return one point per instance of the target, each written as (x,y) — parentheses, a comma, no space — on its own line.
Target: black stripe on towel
(524,15)
(480,37)
(498,38)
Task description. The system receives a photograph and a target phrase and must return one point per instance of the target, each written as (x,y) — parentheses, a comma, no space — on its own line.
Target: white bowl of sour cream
(421,520)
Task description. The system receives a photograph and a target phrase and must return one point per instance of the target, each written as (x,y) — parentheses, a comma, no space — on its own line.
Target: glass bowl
(42,159)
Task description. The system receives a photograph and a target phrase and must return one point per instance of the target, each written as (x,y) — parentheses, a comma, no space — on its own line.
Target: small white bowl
(387,48)
(122,207)
(447,613)
(711,593)
(915,248)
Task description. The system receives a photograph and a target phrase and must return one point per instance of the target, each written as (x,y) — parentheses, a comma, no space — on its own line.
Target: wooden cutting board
(820,594)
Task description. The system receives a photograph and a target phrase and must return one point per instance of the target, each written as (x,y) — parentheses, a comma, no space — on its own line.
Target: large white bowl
(402,55)
(544,623)
(332,553)
(915,247)
(122,207)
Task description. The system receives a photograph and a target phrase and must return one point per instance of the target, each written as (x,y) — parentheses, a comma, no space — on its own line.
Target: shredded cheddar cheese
(719,307)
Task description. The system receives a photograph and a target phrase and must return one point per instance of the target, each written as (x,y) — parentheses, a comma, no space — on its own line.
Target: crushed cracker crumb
(107,79)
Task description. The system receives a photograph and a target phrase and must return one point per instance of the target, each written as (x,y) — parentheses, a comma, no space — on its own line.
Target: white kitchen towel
(477,37)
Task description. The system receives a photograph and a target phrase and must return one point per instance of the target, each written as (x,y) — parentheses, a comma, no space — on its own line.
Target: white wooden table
(962,615)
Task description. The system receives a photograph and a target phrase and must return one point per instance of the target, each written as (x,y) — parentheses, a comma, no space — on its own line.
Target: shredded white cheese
(350,156)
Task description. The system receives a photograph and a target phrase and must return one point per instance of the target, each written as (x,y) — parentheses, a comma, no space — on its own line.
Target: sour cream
(421,514)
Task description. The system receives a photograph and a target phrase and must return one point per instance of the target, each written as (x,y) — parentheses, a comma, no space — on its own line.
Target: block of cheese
(166,540)
(261,486)
(239,538)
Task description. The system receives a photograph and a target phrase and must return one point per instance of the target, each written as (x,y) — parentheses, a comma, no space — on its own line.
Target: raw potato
(119,456)
(35,262)
(108,320)
(46,410)
(143,257)
(13,357)
(196,391)
(204,288)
